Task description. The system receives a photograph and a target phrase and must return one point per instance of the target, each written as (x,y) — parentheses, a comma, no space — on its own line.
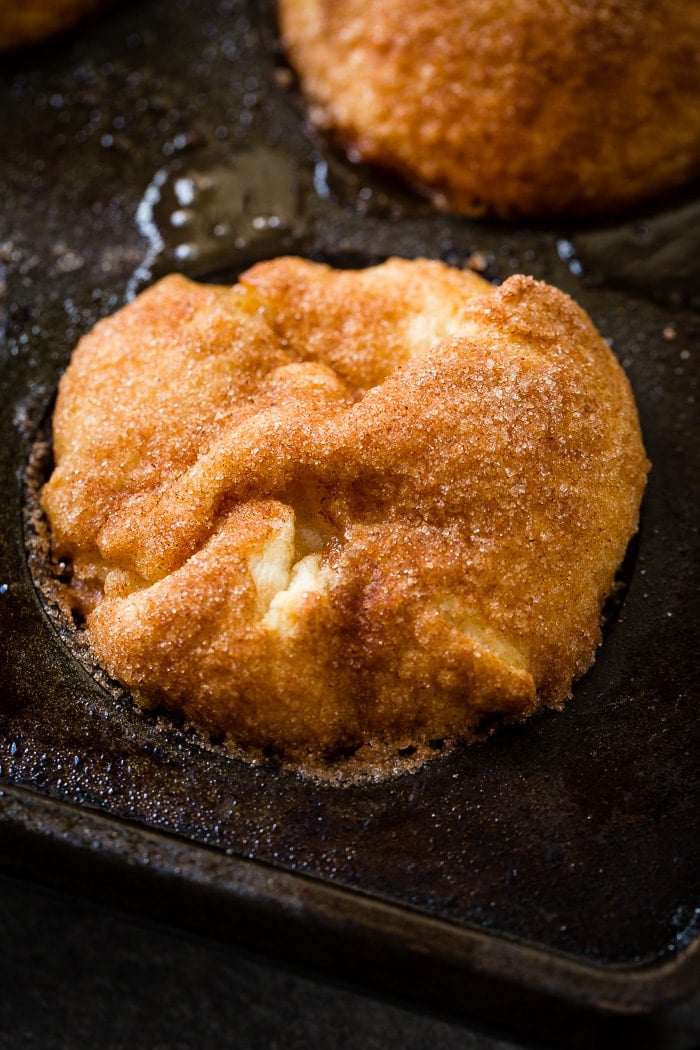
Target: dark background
(76,975)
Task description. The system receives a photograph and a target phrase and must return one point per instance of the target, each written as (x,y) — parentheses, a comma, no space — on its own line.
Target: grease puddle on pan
(656,254)
(221,213)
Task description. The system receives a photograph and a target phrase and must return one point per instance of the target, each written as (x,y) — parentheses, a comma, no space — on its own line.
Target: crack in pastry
(324,512)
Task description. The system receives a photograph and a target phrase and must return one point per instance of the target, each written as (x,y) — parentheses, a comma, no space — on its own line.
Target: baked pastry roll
(325,512)
(513,107)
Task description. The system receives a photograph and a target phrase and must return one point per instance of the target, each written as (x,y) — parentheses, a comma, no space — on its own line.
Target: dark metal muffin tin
(546,880)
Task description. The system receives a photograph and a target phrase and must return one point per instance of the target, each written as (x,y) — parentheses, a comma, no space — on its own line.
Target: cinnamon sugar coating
(514,107)
(324,509)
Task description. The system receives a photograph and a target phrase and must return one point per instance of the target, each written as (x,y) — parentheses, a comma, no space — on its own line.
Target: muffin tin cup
(544,880)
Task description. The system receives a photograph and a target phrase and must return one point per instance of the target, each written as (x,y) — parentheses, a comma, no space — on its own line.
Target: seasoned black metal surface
(576,832)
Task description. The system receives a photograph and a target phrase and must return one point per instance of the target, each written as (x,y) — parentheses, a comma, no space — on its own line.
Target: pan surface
(574,835)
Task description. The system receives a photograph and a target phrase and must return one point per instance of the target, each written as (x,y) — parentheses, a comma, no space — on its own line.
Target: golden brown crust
(296,544)
(510,106)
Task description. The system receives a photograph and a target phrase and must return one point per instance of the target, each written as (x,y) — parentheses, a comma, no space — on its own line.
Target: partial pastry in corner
(327,511)
(26,22)
(513,107)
